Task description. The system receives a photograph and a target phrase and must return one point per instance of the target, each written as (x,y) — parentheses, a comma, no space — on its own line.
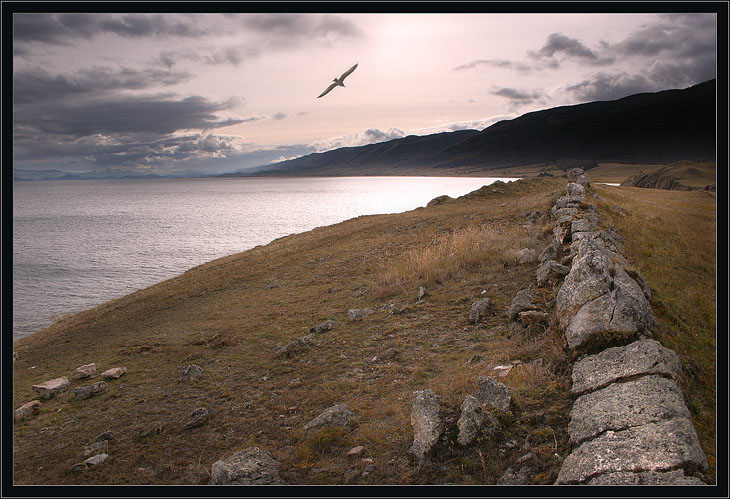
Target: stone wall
(629,424)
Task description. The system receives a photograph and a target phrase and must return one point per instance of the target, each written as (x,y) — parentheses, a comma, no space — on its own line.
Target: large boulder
(338,415)
(492,394)
(619,363)
(651,447)
(619,406)
(426,423)
(676,477)
(49,389)
(251,466)
(575,189)
(474,421)
(479,310)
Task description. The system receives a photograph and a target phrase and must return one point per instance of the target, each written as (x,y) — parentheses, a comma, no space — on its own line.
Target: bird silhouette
(338,81)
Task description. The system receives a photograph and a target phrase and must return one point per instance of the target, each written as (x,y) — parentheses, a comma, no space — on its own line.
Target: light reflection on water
(77,244)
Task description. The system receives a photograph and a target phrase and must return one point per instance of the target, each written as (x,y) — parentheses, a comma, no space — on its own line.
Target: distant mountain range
(648,128)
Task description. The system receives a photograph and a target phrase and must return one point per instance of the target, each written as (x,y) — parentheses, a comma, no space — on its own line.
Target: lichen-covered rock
(338,415)
(575,189)
(617,363)
(426,423)
(49,389)
(619,406)
(550,271)
(251,466)
(574,173)
(323,327)
(479,310)
(585,224)
(356,314)
(550,252)
(192,372)
(570,211)
(86,371)
(196,418)
(474,421)
(27,410)
(520,303)
(114,372)
(675,477)
(590,277)
(525,255)
(289,348)
(650,447)
(569,202)
(561,231)
(492,393)
(96,460)
(84,392)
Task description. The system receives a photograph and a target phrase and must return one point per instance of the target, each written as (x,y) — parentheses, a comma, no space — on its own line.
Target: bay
(78,244)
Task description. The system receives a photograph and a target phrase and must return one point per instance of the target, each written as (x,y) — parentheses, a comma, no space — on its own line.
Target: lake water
(77,244)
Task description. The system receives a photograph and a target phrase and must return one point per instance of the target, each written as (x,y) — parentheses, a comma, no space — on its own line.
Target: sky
(172,93)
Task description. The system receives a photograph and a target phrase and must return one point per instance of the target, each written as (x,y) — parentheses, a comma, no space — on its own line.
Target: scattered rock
(86,371)
(84,392)
(550,252)
(617,363)
(474,421)
(27,410)
(356,314)
(479,310)
(251,466)
(98,446)
(525,255)
(521,302)
(49,389)
(356,452)
(324,327)
(512,477)
(427,425)
(96,460)
(503,371)
(492,393)
(532,317)
(549,271)
(619,406)
(191,373)
(114,372)
(198,417)
(338,415)
(650,447)
(289,348)
(676,477)
(421,293)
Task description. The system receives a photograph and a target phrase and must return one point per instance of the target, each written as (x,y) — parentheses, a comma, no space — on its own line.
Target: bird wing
(347,73)
(328,89)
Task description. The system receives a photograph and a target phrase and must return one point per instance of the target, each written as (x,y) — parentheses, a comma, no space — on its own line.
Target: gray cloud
(496,63)
(295,26)
(609,86)
(519,97)
(61,29)
(570,48)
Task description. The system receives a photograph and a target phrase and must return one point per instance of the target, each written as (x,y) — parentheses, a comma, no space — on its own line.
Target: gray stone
(27,410)
(86,371)
(479,310)
(492,393)
(526,255)
(570,211)
(324,327)
(426,422)
(575,189)
(637,278)
(531,317)
(617,363)
(474,421)
(676,477)
(521,302)
(585,224)
(651,447)
(96,460)
(84,392)
(512,477)
(94,447)
(49,389)
(421,293)
(561,231)
(550,252)
(569,201)
(356,314)
(619,406)
(574,173)
(191,372)
(289,348)
(114,372)
(198,417)
(589,277)
(550,271)
(251,466)
(338,415)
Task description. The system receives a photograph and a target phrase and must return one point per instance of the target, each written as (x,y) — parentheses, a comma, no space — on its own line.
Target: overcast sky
(155,93)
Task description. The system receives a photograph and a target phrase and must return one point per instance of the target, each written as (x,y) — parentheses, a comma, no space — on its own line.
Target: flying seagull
(338,81)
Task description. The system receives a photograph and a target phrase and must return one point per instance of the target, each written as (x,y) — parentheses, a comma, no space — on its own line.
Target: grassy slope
(229,314)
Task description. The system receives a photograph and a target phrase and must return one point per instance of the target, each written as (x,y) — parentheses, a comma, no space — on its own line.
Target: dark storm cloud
(609,86)
(61,29)
(682,35)
(36,85)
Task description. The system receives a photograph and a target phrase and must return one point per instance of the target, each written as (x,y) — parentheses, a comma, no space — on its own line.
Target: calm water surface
(77,244)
